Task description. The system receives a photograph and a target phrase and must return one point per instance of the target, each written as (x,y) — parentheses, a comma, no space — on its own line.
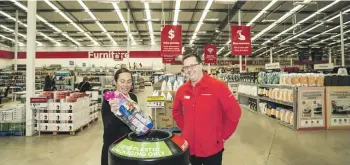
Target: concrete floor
(257,141)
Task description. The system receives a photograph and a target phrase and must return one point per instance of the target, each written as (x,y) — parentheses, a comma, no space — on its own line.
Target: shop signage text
(118,56)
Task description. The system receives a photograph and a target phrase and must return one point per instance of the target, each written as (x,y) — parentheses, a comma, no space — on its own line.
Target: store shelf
(247,83)
(249,96)
(276,101)
(276,120)
(247,108)
(275,86)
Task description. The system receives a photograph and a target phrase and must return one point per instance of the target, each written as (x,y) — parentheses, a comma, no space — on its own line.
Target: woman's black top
(114,128)
(49,84)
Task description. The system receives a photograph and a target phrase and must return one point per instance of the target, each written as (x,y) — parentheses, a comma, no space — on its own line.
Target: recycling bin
(158,147)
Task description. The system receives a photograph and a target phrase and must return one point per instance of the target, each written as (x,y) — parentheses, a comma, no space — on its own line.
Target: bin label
(132,149)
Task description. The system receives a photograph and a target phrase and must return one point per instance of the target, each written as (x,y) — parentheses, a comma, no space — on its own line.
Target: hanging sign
(168,59)
(171,40)
(311,107)
(275,65)
(241,41)
(210,54)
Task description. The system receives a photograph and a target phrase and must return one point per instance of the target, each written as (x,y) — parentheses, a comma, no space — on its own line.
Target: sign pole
(128,44)
(329,55)
(240,57)
(271,56)
(342,39)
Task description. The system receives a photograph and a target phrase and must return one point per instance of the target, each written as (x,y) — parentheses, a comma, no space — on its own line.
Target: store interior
(286,62)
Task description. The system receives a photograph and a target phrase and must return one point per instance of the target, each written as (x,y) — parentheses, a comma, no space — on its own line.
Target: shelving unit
(277,101)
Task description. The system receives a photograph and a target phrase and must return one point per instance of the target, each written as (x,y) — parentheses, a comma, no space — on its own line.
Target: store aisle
(257,141)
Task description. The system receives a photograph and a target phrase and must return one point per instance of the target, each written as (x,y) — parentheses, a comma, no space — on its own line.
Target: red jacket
(207,114)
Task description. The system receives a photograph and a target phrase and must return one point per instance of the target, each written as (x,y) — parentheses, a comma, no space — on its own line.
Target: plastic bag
(130,113)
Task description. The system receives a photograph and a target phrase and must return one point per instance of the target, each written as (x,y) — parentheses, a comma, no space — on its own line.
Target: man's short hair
(198,59)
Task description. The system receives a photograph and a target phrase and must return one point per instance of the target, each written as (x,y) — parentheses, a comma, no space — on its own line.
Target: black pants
(211,160)
(104,156)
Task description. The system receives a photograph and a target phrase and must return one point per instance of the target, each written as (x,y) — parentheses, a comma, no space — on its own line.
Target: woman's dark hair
(118,72)
(124,70)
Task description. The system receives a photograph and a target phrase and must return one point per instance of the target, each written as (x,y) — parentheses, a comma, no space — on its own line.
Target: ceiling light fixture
(149,23)
(177,11)
(306,19)
(121,17)
(69,20)
(97,22)
(204,14)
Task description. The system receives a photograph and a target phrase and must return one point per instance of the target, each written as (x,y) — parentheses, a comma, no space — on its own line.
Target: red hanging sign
(168,59)
(171,40)
(241,41)
(210,54)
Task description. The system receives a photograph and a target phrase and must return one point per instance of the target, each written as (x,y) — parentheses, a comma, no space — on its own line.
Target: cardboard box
(168,105)
(55,116)
(46,127)
(67,116)
(44,116)
(165,122)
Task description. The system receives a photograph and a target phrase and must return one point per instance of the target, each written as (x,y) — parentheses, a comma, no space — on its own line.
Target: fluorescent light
(69,20)
(295,36)
(211,19)
(262,12)
(97,22)
(204,13)
(25,25)
(306,19)
(177,10)
(149,23)
(121,17)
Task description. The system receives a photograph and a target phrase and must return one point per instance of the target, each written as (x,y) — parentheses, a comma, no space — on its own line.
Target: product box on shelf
(165,121)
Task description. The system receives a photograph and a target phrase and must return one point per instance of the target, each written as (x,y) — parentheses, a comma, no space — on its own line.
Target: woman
(49,82)
(114,128)
(85,85)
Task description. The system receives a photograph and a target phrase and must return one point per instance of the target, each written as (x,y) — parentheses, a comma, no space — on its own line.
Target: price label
(38,105)
(155,104)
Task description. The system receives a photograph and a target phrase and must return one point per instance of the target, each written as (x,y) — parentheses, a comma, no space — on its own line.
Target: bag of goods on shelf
(169,97)
(303,80)
(295,80)
(282,114)
(290,96)
(176,86)
(268,110)
(311,79)
(284,95)
(273,112)
(130,113)
(262,78)
(164,86)
(320,80)
(278,114)
(169,86)
(287,116)
(291,120)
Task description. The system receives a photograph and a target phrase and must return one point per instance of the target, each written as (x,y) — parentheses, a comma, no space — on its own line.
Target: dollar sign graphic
(171,34)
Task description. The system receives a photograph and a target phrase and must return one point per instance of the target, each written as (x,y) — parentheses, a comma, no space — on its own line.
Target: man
(206,111)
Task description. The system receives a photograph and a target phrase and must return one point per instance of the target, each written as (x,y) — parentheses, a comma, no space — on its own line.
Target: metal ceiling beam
(170,22)
(238,5)
(160,10)
(314,24)
(133,20)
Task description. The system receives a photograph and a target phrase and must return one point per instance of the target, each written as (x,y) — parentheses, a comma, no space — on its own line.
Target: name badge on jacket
(187,97)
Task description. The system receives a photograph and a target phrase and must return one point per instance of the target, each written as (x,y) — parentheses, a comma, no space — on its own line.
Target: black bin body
(156,148)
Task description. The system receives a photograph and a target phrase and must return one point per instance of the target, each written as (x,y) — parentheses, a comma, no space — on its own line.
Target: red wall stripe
(133,54)
(6,54)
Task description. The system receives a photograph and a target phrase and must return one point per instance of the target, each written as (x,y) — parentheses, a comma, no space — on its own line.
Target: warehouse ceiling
(283,25)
